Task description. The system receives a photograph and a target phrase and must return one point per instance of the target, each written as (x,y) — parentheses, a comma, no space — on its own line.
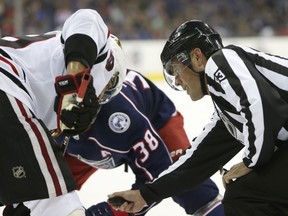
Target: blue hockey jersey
(125,131)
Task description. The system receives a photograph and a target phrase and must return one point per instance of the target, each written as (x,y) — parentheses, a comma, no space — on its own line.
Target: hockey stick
(80,96)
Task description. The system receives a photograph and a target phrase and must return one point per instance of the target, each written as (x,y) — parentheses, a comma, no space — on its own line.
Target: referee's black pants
(263,191)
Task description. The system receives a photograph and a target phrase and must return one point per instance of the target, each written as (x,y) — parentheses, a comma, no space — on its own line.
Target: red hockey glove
(76,103)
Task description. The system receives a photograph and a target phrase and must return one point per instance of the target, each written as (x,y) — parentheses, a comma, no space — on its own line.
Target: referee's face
(189,80)
(188,76)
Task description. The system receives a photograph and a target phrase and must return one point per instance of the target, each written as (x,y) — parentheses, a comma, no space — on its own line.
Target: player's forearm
(73,67)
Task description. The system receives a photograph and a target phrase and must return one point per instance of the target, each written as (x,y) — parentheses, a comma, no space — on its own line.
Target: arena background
(143,26)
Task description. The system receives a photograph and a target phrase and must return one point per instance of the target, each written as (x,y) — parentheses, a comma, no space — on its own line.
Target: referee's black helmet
(189,35)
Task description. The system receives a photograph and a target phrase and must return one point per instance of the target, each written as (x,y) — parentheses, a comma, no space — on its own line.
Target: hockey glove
(76,103)
(20,210)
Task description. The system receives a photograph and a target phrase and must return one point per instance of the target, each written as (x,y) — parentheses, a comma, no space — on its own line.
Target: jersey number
(150,143)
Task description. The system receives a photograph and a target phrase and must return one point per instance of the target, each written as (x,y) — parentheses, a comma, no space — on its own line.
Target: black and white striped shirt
(249,90)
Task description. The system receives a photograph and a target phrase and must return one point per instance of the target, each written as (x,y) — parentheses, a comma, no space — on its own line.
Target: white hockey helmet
(114,86)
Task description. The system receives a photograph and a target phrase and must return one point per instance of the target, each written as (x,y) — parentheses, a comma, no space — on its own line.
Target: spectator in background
(38,16)
(154,19)
(63,9)
(6,18)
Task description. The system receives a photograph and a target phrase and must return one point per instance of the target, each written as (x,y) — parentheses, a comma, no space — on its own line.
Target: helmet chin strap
(203,82)
(201,75)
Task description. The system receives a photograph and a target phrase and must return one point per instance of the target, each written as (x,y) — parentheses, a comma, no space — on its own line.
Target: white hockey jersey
(29,64)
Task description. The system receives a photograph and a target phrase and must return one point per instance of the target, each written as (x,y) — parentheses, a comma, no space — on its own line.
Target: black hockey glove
(20,210)
(76,103)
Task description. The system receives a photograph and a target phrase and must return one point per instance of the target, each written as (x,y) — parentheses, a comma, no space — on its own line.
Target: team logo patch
(119,122)
(19,172)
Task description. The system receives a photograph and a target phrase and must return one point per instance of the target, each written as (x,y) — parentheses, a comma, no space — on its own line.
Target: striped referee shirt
(249,90)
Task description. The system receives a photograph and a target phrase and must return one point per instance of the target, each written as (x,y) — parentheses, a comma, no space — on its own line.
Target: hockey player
(140,128)
(249,90)
(32,166)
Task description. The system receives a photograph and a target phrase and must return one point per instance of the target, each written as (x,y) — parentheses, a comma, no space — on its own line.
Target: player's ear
(199,58)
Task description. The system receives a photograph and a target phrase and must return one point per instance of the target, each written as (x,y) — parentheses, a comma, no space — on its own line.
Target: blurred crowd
(149,19)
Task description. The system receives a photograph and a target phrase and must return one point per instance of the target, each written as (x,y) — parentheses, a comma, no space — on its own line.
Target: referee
(249,90)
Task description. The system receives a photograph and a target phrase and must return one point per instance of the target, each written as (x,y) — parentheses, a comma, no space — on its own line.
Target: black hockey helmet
(189,35)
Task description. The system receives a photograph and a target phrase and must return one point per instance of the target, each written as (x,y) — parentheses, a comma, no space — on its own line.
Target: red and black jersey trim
(9,75)
(15,80)
(5,54)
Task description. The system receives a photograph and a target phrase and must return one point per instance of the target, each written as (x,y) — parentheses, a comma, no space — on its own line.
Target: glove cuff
(66,84)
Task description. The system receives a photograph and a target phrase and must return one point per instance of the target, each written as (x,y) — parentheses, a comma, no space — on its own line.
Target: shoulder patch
(219,76)
(119,122)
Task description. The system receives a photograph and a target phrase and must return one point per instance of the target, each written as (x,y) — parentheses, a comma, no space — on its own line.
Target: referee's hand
(235,172)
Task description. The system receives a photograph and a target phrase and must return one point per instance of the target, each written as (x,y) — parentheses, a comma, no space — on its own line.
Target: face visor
(173,67)
(111,90)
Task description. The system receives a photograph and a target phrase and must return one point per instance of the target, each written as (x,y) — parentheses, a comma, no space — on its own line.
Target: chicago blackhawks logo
(110,63)
(119,122)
